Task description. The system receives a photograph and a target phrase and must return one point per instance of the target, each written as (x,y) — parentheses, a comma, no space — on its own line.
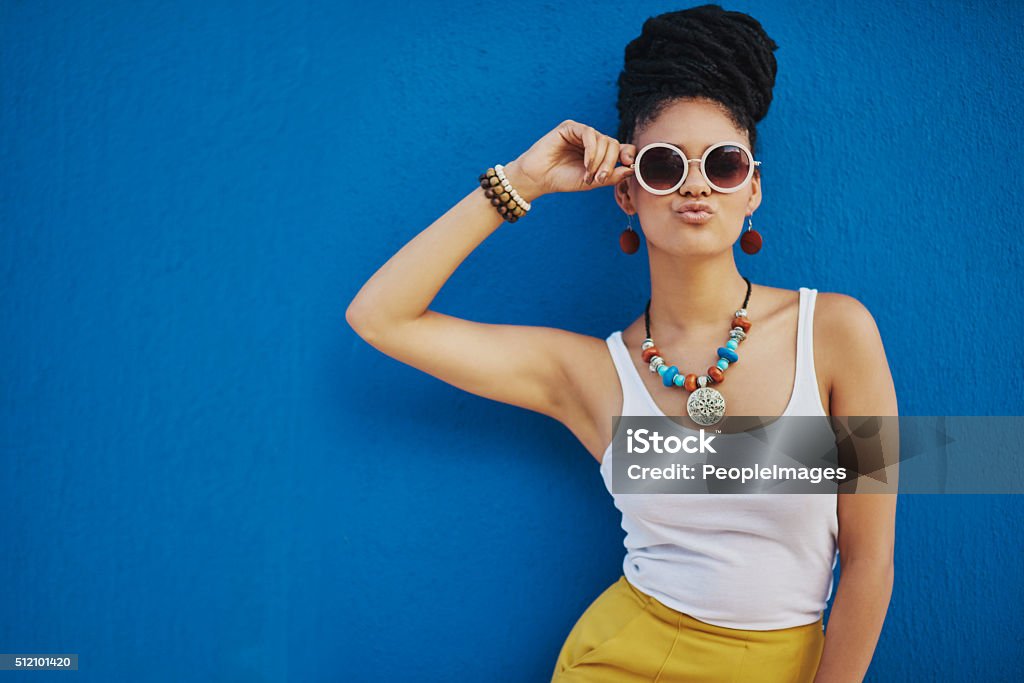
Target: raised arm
(520,365)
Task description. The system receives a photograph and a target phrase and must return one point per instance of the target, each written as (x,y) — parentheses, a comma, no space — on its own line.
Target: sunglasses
(661,168)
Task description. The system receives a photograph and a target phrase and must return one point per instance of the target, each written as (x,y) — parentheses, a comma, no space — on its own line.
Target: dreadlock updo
(704,52)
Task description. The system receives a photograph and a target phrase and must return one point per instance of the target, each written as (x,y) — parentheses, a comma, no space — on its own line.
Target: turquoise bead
(666,377)
(662,369)
(722,364)
(732,344)
(679,379)
(728,354)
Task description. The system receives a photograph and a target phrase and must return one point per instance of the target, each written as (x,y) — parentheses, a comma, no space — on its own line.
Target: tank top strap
(633,391)
(807,399)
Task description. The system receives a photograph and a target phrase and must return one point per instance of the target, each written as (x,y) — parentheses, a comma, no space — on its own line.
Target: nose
(695,184)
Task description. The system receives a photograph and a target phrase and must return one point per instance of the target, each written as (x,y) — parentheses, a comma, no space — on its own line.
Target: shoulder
(836,316)
(844,325)
(849,340)
(843,315)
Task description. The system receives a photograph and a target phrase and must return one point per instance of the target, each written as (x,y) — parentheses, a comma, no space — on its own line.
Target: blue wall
(208,476)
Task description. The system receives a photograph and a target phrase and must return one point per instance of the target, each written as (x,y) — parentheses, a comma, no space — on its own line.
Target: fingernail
(601,176)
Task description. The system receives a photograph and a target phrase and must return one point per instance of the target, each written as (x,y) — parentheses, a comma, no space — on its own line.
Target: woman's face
(692,126)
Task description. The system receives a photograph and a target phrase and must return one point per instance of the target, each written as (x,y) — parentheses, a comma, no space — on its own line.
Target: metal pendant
(706,406)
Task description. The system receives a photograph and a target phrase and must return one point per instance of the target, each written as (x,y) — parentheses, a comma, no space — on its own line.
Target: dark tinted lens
(661,168)
(727,166)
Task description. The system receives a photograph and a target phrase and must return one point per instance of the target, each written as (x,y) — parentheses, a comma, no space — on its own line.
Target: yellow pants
(625,636)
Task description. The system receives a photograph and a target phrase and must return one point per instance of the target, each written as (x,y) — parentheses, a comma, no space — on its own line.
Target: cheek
(735,205)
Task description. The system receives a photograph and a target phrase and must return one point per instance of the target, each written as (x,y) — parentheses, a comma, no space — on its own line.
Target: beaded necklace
(706,406)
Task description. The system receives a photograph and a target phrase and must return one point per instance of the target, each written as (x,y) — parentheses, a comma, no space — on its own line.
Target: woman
(692,80)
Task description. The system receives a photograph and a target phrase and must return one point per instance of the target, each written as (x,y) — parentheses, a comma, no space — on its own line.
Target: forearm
(855,622)
(403,288)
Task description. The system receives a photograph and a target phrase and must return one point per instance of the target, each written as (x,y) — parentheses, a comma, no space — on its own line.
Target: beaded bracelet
(508,202)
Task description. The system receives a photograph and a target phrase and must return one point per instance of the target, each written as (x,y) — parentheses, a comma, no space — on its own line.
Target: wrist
(522,184)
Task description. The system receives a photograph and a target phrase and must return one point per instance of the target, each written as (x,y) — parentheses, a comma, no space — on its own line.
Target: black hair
(705,52)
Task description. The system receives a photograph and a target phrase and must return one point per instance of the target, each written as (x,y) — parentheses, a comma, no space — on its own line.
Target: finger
(627,154)
(589,137)
(600,149)
(608,163)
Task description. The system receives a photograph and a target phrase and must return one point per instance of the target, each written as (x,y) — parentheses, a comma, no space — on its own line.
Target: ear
(755,192)
(624,192)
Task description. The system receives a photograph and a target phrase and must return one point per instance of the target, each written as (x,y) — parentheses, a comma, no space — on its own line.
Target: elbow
(372,322)
(360,322)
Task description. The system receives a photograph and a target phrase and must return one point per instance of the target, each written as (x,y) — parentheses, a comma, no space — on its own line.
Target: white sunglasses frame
(686,168)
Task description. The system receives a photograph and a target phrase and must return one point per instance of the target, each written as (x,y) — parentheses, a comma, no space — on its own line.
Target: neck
(692,294)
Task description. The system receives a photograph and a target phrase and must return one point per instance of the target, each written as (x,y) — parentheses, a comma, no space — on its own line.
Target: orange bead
(741,322)
(715,373)
(690,384)
(651,353)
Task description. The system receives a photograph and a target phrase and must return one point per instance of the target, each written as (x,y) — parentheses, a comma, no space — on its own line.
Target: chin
(686,248)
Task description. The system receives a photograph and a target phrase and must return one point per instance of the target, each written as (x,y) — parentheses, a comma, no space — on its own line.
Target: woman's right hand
(570,158)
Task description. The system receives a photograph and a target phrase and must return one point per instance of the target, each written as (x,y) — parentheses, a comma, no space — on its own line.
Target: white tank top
(745,561)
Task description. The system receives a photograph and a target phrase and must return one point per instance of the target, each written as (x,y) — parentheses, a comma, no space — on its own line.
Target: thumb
(627,154)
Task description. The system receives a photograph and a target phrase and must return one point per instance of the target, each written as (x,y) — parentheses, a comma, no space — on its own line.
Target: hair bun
(703,51)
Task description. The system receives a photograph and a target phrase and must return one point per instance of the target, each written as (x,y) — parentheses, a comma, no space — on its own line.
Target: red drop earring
(751,240)
(629,240)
